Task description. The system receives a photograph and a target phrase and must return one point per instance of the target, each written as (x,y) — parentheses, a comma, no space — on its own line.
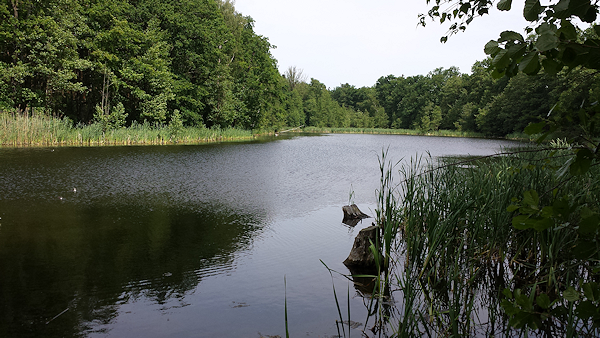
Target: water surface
(188,240)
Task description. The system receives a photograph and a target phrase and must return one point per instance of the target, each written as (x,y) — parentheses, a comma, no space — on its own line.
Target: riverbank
(384,131)
(39,130)
(18,130)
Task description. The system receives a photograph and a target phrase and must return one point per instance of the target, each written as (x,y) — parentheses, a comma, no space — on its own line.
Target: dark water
(188,241)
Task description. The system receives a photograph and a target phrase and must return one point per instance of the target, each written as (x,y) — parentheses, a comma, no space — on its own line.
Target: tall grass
(32,129)
(452,249)
(385,131)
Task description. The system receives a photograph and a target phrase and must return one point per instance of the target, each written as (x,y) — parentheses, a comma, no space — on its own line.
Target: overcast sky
(358,41)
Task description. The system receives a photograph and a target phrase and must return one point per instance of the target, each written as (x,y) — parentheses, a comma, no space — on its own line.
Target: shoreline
(43,131)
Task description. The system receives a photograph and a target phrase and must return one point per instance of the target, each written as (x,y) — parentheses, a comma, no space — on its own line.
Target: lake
(190,240)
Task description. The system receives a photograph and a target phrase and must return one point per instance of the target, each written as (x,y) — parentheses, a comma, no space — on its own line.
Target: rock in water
(361,255)
(353,215)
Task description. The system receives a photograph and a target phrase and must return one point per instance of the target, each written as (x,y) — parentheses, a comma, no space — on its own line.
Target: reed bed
(460,268)
(42,130)
(385,131)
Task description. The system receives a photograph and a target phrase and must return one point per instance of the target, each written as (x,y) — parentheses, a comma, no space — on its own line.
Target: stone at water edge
(361,255)
(352,215)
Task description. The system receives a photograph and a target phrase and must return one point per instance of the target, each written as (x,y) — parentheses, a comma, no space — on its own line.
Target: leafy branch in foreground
(461,248)
(554,42)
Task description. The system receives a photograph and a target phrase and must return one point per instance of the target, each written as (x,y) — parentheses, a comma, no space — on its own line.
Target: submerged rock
(353,215)
(361,255)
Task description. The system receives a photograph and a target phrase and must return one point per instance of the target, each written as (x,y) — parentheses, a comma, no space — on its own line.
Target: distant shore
(384,131)
(41,131)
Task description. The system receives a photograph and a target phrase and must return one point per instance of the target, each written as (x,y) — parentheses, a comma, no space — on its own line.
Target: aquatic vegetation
(42,130)
(462,254)
(385,131)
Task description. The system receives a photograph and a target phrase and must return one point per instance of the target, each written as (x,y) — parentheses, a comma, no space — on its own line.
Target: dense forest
(200,63)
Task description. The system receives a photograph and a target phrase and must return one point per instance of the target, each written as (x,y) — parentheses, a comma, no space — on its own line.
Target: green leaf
(546,28)
(543,301)
(501,60)
(559,311)
(532,10)
(590,15)
(510,36)
(552,67)
(512,208)
(569,57)
(567,30)
(571,294)
(547,212)
(589,225)
(582,162)
(523,301)
(516,51)
(531,198)
(591,291)
(534,128)
(526,210)
(523,222)
(491,48)
(509,308)
(586,212)
(504,5)
(465,7)
(561,6)
(530,64)
(541,224)
(586,309)
(507,293)
(546,42)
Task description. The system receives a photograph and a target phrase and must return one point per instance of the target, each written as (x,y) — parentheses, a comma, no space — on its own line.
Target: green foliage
(457,244)
(112,120)
(37,129)
(176,124)
(431,117)
(198,56)
(554,42)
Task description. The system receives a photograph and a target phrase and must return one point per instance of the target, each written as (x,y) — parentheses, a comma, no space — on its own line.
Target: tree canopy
(155,58)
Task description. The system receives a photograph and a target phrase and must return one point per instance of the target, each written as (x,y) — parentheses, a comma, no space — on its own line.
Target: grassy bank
(384,131)
(41,130)
(463,264)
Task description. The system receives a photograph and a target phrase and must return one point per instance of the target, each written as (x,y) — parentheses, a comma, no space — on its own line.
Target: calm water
(188,241)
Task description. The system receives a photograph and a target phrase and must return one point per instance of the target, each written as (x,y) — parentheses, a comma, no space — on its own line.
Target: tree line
(200,63)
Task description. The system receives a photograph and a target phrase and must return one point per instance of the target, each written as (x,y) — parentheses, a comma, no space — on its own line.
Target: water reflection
(91,258)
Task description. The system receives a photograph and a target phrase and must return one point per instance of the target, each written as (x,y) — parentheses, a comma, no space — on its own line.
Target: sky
(359,41)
